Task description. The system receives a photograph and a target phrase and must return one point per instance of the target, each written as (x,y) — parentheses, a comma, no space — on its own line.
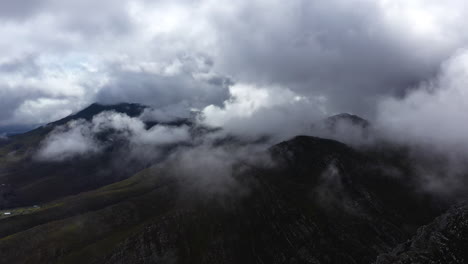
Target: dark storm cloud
(350,51)
(160,91)
(186,81)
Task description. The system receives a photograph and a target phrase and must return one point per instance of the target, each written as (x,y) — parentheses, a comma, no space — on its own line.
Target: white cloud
(254,111)
(435,113)
(79,138)
(431,120)
(161,135)
(74,139)
(212,170)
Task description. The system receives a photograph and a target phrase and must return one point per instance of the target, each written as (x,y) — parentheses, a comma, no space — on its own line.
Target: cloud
(74,139)
(187,54)
(19,9)
(434,112)
(352,52)
(36,90)
(81,138)
(167,114)
(430,119)
(209,166)
(357,133)
(331,192)
(253,111)
(187,82)
(212,169)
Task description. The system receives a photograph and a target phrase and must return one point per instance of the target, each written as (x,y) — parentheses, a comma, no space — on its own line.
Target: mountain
(285,216)
(445,240)
(312,207)
(130,109)
(22,144)
(344,127)
(333,121)
(28,181)
(303,200)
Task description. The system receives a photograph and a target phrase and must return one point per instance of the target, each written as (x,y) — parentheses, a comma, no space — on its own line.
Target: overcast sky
(234,60)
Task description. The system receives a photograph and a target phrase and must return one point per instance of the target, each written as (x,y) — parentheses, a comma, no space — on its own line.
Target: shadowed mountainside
(316,201)
(311,207)
(27,181)
(445,240)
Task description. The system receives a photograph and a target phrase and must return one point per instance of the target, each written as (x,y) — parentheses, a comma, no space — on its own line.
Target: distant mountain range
(304,200)
(15,130)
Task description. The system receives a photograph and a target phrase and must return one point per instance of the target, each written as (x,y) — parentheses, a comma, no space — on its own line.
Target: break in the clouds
(333,56)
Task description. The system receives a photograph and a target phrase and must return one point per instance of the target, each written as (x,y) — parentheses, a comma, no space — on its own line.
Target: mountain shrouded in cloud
(79,137)
(58,57)
(263,131)
(254,68)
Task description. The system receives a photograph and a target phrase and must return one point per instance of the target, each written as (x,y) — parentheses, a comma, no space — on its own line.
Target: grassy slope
(280,218)
(37,182)
(140,183)
(87,224)
(20,146)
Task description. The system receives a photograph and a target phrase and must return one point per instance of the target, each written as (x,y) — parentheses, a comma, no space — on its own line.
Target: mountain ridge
(303,200)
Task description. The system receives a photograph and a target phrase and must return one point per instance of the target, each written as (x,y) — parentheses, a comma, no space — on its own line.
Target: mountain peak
(130,109)
(345,118)
(354,119)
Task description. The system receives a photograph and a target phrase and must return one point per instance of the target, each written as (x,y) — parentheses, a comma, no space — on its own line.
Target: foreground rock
(445,240)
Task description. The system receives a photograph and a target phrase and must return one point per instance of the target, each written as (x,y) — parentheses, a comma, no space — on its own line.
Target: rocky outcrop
(443,241)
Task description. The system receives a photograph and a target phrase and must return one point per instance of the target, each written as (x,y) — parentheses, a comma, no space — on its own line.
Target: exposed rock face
(445,240)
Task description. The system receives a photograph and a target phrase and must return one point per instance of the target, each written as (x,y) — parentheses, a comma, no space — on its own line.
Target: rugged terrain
(314,200)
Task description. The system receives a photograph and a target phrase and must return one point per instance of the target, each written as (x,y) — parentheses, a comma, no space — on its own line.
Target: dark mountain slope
(309,208)
(320,201)
(23,143)
(132,110)
(30,181)
(392,169)
(445,240)
(98,218)
(315,207)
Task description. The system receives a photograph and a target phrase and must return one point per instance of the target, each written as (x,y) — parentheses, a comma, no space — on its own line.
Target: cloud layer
(58,57)
(435,112)
(81,138)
